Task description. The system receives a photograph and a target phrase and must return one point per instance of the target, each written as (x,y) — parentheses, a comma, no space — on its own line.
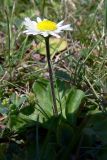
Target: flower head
(44,27)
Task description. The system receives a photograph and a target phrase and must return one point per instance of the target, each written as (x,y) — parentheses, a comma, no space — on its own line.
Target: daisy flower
(44,27)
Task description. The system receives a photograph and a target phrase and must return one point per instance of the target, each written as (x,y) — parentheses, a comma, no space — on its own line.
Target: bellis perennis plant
(44,27)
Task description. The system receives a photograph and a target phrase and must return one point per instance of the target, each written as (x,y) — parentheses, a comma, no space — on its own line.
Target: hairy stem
(55,111)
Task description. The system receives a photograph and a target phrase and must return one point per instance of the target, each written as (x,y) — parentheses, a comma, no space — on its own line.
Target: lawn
(53,80)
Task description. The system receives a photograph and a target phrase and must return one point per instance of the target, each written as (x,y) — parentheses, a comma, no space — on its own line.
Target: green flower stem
(55,111)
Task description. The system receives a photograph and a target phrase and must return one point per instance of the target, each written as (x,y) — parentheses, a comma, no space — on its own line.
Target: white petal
(38,19)
(45,34)
(30,32)
(60,23)
(58,30)
(66,27)
(30,25)
(27,19)
(55,35)
(36,28)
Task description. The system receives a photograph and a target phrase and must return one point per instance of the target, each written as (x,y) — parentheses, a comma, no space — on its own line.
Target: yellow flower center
(47,25)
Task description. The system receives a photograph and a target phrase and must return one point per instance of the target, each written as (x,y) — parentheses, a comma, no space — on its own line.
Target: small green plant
(53,90)
(46,28)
